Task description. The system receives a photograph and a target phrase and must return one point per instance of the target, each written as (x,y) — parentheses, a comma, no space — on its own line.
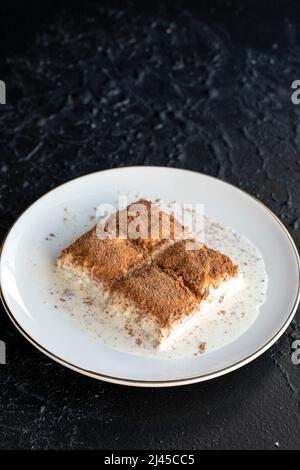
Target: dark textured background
(97,85)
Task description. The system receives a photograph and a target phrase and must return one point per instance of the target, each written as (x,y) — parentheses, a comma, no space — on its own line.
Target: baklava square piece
(154,302)
(146,225)
(102,261)
(127,240)
(201,268)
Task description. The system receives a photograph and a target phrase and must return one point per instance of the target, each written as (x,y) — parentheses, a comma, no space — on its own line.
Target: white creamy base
(216,296)
(233,309)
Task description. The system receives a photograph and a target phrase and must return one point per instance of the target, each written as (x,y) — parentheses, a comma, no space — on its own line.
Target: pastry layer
(157,283)
(200,268)
(105,261)
(156,295)
(146,226)
(163,296)
(108,256)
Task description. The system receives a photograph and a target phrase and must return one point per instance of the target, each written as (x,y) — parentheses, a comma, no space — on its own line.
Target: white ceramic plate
(61,338)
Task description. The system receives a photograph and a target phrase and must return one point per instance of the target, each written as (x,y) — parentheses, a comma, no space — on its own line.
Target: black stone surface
(198,85)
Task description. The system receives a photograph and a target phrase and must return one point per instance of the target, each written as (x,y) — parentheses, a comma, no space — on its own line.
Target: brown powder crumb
(129,330)
(66,295)
(50,236)
(221,312)
(88,301)
(138,341)
(202,347)
(68,292)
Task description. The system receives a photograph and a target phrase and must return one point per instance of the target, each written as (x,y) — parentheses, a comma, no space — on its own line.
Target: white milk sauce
(210,328)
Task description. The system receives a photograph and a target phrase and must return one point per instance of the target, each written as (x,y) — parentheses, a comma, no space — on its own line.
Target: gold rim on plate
(175,382)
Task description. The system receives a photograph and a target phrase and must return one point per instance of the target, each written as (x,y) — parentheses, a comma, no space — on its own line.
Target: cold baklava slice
(201,269)
(158,300)
(146,225)
(125,241)
(154,302)
(102,261)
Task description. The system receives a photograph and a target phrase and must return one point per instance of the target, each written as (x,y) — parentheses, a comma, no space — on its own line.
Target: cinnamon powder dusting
(164,285)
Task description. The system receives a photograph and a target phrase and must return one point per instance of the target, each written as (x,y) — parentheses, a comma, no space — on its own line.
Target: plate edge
(175,382)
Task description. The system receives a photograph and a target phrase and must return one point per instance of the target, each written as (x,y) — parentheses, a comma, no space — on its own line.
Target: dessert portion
(146,226)
(141,260)
(101,261)
(126,241)
(201,269)
(154,301)
(160,298)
